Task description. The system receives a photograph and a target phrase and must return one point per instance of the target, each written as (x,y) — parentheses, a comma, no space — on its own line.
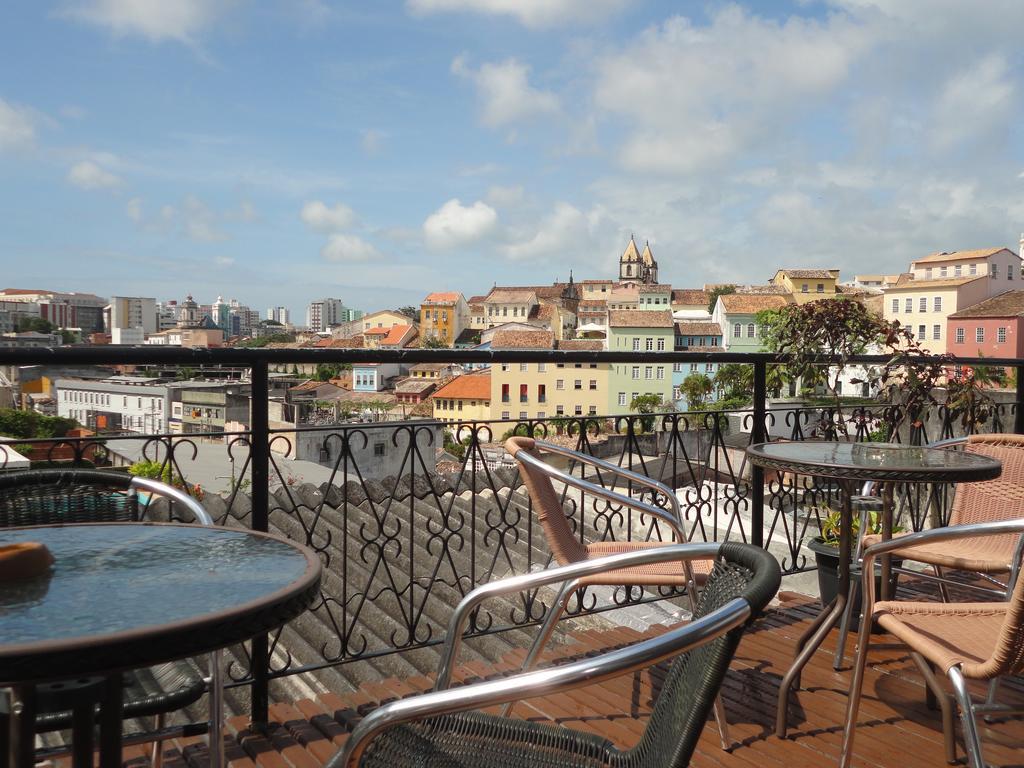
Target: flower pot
(827,559)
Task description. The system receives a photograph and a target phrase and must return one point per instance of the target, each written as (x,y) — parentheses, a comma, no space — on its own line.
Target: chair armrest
(163,489)
(542,682)
(674,522)
(615,469)
(460,617)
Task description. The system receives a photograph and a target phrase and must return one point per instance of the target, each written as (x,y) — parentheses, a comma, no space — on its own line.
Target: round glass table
(851,464)
(128,595)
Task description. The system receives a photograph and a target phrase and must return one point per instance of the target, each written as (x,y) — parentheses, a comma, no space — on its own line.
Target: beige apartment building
(943,283)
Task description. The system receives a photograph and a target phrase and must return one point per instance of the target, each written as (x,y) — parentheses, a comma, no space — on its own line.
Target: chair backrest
(1008,656)
(993,500)
(51,496)
(691,685)
(564,544)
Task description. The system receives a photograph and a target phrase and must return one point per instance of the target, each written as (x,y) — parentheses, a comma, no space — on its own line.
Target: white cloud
(973,102)
(530,13)
(565,230)
(505,196)
(155,20)
(318,216)
(88,175)
(505,92)
(454,224)
(372,141)
(134,209)
(199,222)
(347,248)
(17,126)
(224,261)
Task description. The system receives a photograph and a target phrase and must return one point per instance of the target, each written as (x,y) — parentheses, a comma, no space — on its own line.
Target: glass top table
(849,464)
(129,595)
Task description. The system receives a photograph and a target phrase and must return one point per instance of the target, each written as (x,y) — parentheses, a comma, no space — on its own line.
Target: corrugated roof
(538,339)
(1007,304)
(470,386)
(980,253)
(749,303)
(638,318)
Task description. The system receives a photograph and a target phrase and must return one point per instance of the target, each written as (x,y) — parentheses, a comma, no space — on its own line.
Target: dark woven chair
(45,497)
(440,730)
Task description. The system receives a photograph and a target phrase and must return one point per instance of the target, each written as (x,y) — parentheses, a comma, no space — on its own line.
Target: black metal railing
(399,550)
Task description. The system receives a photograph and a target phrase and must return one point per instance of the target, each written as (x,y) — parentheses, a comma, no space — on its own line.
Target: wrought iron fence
(398,551)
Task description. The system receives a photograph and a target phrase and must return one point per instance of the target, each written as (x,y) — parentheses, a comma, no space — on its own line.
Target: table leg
(83,721)
(111,716)
(829,617)
(22,739)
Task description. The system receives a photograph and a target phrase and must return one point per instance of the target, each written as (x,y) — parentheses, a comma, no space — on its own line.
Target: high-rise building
(324,313)
(131,312)
(280,315)
(63,309)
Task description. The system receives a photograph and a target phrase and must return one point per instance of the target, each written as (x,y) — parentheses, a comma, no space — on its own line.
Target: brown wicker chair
(567,548)
(977,641)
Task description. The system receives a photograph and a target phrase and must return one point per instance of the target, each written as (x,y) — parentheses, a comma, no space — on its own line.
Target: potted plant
(826,555)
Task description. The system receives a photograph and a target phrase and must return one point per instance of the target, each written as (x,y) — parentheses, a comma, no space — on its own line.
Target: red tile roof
(538,339)
(1009,304)
(640,318)
(395,334)
(445,297)
(469,386)
(378,331)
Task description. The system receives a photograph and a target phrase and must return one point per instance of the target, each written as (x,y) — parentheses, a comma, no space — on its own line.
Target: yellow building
(464,398)
(546,390)
(443,316)
(808,284)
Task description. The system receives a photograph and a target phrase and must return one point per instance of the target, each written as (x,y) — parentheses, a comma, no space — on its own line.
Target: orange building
(443,316)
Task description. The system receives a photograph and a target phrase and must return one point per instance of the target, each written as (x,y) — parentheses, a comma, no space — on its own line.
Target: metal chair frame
(968,710)
(673,519)
(443,700)
(215,681)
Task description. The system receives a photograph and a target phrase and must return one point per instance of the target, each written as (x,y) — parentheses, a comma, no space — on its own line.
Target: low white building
(117,404)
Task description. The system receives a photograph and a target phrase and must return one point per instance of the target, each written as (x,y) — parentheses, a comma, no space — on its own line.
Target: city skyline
(288,151)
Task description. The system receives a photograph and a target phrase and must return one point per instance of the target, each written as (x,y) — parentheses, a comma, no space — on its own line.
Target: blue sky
(277,151)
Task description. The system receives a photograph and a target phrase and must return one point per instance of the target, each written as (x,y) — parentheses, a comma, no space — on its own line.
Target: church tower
(649,266)
(630,264)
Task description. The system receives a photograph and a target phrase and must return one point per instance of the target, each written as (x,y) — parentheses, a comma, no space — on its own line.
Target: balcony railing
(399,550)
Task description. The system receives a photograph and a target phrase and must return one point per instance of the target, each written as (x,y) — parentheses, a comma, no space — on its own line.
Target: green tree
(735,380)
(37,324)
(328,371)
(68,337)
(432,342)
(695,388)
(719,290)
(648,403)
(409,311)
(31,424)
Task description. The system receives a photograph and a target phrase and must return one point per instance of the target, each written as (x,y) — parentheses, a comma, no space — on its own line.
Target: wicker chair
(566,547)
(978,641)
(438,728)
(44,497)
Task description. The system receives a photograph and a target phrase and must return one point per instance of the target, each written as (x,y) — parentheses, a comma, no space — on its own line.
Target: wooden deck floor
(895,727)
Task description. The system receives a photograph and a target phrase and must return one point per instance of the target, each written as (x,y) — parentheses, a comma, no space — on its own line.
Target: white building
(131,312)
(127,335)
(280,315)
(117,404)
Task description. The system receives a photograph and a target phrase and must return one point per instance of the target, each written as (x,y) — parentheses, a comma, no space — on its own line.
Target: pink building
(989,329)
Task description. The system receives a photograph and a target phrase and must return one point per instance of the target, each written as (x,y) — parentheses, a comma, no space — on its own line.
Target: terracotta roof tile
(395,334)
(698,329)
(820,274)
(638,318)
(582,345)
(907,282)
(658,288)
(444,297)
(538,339)
(376,331)
(469,386)
(415,386)
(749,303)
(1007,304)
(981,253)
(511,296)
(429,366)
(690,296)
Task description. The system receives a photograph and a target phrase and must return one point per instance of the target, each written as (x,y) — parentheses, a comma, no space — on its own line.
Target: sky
(279,151)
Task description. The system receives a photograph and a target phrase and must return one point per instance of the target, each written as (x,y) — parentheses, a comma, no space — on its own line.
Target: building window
(677,367)
(995,271)
(560,384)
(920,333)
(524,415)
(661,345)
(936,332)
(928,273)
(636,344)
(577,384)
(648,372)
(958,270)
(821,288)
(504,366)
(542,393)
(908,305)
(750,330)
(460,405)
(592,410)
(943,271)
(622,398)
(559,410)
(937,304)
(593,383)
(504,393)
(540,414)
(1001,335)
(895,306)
(922,304)
(578,410)
(636,371)
(378,449)
(542,367)
(504,415)
(693,367)
(959,335)
(804,289)
(524,393)
(972,269)
(979,334)
(524,367)
(1009,272)
(649,345)
(737,330)
(709,367)
(661,372)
